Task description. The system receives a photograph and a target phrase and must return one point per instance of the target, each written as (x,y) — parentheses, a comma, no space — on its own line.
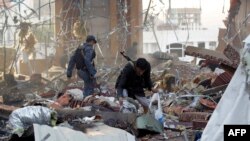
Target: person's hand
(154,90)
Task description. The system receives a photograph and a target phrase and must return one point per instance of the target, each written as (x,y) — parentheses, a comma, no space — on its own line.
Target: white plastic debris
(77,94)
(218,71)
(156,110)
(22,118)
(128,107)
(86,120)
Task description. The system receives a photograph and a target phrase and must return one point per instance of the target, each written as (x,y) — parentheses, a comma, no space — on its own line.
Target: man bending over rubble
(132,80)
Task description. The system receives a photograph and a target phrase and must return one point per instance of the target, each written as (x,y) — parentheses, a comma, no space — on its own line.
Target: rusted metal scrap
(208,103)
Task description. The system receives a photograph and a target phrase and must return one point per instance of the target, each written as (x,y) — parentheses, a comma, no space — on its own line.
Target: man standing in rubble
(132,80)
(27,43)
(83,60)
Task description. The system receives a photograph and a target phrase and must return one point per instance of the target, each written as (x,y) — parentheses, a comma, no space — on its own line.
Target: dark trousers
(88,82)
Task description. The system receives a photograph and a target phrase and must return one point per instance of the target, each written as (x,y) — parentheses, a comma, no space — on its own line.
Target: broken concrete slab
(69,114)
(98,133)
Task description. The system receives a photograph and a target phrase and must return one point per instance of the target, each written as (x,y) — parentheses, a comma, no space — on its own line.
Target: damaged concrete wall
(244,11)
(117,24)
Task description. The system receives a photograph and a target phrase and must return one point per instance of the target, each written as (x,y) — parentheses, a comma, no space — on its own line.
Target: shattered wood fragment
(49,94)
(214,89)
(190,116)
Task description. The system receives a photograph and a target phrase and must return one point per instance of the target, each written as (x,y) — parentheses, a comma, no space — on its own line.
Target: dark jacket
(88,54)
(128,79)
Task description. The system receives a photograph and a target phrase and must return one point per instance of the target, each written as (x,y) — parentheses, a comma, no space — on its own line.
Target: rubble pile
(186,103)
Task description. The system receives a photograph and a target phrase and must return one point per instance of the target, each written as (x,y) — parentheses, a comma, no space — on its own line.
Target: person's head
(91,39)
(141,66)
(201,62)
(24,26)
(64,99)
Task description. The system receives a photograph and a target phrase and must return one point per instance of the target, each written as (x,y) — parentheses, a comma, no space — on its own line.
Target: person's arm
(88,53)
(123,79)
(71,65)
(149,84)
(147,78)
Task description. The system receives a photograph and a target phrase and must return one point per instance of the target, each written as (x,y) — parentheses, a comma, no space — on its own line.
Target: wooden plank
(214,89)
